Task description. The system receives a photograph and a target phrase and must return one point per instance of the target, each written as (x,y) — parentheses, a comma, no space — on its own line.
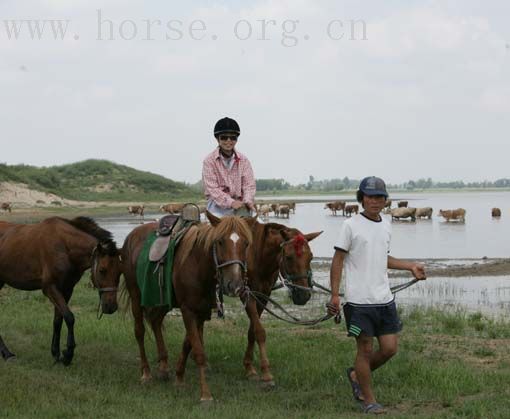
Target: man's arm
(417,269)
(335,277)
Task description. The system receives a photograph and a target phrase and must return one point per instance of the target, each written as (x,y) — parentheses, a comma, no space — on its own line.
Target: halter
(94,261)
(288,279)
(219,277)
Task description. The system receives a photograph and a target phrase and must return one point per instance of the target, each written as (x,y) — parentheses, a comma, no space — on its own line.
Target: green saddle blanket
(156,287)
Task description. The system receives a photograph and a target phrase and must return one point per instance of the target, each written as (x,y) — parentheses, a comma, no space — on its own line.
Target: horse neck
(81,246)
(264,261)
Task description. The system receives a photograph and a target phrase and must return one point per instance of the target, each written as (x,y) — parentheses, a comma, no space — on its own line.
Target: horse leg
(136,309)
(57,328)
(259,334)
(192,325)
(156,324)
(6,354)
(181,363)
(60,303)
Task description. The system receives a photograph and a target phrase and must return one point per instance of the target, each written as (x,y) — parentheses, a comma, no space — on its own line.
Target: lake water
(479,236)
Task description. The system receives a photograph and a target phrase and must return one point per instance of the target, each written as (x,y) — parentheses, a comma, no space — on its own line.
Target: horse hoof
(10,358)
(253,376)
(164,375)
(268,385)
(206,400)
(146,379)
(66,361)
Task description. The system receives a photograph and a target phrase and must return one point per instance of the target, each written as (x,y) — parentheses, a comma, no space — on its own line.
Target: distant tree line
(339,184)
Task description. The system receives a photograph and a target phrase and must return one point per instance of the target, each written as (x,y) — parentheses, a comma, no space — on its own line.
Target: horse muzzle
(300,297)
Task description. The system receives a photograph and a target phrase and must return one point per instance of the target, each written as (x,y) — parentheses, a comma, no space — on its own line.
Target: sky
(400,89)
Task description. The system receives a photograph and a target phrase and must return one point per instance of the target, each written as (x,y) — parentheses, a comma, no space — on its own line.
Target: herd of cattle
(284,209)
(402,211)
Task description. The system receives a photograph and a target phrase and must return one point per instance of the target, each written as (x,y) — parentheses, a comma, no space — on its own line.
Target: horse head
(230,237)
(105,274)
(295,261)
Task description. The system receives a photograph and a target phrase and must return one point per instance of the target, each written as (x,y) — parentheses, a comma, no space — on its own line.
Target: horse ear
(285,234)
(251,221)
(212,218)
(310,236)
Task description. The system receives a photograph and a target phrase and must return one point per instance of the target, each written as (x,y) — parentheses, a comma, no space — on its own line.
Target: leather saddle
(169,227)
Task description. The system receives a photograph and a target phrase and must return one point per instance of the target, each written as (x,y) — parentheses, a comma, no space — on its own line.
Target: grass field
(449,365)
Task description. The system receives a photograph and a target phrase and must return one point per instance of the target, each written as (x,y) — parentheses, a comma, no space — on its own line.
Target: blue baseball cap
(373,186)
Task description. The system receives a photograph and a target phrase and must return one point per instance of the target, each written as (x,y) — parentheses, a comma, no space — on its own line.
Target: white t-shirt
(365,272)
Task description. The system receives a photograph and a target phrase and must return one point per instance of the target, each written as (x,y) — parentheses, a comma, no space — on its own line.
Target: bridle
(289,279)
(219,277)
(95,263)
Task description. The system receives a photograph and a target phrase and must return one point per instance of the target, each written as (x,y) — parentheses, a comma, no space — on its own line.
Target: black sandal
(356,389)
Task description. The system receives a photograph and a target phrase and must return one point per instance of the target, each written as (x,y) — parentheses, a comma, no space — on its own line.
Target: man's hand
(334,305)
(237,204)
(251,207)
(418,271)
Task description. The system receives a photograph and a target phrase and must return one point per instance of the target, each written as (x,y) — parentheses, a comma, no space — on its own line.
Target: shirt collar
(220,156)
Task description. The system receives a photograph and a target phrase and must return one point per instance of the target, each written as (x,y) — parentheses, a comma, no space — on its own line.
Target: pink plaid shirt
(223,185)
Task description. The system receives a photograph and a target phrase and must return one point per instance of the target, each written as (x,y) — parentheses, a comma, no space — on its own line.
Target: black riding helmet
(226,125)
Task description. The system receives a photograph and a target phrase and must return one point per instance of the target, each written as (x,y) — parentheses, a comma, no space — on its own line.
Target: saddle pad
(156,289)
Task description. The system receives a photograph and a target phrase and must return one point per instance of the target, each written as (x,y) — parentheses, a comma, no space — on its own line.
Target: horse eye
(220,242)
(102,271)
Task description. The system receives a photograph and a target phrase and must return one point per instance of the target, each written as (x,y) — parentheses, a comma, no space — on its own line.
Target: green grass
(447,366)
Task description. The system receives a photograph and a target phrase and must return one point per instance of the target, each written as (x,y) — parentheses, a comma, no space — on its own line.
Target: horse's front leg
(57,328)
(257,333)
(193,335)
(60,303)
(156,324)
(6,354)
(137,311)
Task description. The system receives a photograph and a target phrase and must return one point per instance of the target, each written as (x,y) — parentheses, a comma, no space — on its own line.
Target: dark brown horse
(206,254)
(52,256)
(275,249)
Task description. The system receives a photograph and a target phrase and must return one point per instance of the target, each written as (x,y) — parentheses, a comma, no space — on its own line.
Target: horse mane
(204,235)
(89,226)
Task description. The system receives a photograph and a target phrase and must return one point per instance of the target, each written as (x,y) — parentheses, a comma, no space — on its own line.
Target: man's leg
(388,345)
(362,366)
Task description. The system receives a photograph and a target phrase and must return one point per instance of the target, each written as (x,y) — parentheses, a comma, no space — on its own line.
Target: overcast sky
(410,89)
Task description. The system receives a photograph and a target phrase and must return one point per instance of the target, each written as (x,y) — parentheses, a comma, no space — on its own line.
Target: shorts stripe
(354,330)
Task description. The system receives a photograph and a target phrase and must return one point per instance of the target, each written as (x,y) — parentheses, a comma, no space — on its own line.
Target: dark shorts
(372,320)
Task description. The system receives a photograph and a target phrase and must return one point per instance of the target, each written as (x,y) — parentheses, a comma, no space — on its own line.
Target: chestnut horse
(207,254)
(52,256)
(275,249)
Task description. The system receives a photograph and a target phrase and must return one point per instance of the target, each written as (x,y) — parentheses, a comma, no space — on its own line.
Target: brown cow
(136,210)
(496,212)
(263,211)
(398,213)
(349,209)
(336,206)
(284,211)
(6,206)
(292,206)
(276,209)
(172,208)
(456,214)
(424,212)
(402,204)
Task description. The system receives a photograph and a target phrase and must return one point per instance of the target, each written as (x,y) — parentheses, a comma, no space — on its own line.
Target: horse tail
(89,226)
